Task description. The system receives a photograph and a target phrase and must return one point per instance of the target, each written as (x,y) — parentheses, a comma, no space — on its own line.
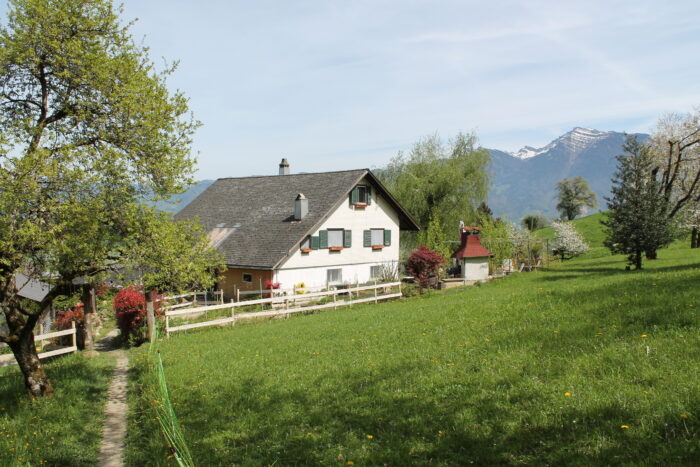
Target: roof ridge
(290,175)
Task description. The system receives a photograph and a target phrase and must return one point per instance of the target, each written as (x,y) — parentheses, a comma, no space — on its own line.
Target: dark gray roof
(252,218)
(32,289)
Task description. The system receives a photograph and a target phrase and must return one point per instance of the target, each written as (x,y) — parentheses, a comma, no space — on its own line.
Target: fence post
(400,287)
(167,326)
(72,326)
(233,314)
(238,294)
(335,293)
(375,292)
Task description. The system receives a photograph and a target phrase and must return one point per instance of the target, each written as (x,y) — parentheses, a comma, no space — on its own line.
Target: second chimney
(301,207)
(284,167)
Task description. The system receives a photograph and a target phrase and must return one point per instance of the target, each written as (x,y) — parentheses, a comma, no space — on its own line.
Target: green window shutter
(323,239)
(347,238)
(314,243)
(369,195)
(354,196)
(387,237)
(367,238)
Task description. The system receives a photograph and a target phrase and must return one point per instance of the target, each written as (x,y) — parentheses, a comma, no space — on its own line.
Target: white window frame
(379,232)
(375,271)
(333,271)
(340,232)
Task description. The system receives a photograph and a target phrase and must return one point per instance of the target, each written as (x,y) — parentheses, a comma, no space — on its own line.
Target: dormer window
(361,196)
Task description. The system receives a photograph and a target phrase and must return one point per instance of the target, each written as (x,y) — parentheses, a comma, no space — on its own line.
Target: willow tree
(88,127)
(438,181)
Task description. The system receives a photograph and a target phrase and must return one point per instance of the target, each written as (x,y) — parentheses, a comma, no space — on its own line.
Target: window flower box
(306,250)
(377,247)
(335,248)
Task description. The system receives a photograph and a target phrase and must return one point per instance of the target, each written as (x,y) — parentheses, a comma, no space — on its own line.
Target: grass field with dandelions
(64,430)
(583,363)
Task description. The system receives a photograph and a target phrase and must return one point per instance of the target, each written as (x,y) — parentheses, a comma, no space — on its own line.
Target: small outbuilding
(471,256)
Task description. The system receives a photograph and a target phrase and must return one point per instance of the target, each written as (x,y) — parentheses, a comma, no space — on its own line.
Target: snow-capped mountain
(575,141)
(523,182)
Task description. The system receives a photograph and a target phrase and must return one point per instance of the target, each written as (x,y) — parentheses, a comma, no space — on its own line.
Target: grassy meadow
(65,430)
(578,364)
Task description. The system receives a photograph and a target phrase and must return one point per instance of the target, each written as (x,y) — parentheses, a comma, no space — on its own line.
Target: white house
(321,229)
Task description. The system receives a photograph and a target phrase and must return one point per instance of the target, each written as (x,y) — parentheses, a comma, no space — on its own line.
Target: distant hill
(177,202)
(589,227)
(524,182)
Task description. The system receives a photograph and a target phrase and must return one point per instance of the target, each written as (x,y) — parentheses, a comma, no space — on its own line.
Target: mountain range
(523,182)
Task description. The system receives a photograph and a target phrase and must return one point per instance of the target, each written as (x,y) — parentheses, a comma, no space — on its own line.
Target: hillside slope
(582,363)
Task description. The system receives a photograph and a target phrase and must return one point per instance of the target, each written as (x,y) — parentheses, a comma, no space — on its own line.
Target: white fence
(282,303)
(9,359)
(191,298)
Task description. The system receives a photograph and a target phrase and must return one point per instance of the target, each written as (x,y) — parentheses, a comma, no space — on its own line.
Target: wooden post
(72,325)
(150,315)
(238,294)
(167,325)
(375,293)
(335,306)
(400,287)
(233,313)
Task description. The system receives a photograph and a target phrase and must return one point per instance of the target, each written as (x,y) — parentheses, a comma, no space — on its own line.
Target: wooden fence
(192,297)
(9,359)
(282,303)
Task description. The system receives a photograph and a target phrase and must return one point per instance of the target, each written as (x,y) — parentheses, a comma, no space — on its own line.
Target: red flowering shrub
(64,319)
(269,285)
(130,308)
(423,264)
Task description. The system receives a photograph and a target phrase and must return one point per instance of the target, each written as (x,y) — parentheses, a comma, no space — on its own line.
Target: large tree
(87,128)
(439,181)
(675,148)
(638,217)
(573,196)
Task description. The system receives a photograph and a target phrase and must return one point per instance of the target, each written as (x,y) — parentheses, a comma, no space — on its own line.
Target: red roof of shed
(471,247)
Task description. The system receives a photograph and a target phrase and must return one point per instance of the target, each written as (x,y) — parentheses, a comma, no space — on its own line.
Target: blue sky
(337,85)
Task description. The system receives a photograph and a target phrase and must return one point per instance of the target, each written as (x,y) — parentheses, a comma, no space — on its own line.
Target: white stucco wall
(355,262)
(475,269)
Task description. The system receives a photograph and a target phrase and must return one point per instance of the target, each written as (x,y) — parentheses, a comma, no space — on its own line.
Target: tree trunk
(650,254)
(694,237)
(35,379)
(638,260)
(88,299)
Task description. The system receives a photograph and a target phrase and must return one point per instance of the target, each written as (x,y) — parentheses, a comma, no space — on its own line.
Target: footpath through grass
(64,430)
(580,364)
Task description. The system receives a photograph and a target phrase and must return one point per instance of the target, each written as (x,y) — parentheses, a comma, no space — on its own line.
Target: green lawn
(589,227)
(582,363)
(63,431)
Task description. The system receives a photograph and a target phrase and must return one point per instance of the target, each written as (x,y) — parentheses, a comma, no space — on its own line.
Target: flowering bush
(567,241)
(424,264)
(130,308)
(269,285)
(63,321)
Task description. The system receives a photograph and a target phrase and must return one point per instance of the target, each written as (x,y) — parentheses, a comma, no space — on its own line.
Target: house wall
(233,279)
(355,262)
(475,269)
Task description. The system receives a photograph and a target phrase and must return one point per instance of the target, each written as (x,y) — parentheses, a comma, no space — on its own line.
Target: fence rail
(285,301)
(9,359)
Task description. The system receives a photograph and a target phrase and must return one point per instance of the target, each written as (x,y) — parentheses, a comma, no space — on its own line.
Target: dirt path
(114,428)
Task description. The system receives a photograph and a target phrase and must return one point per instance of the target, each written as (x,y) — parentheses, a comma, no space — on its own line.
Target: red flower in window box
(377,247)
(360,205)
(335,248)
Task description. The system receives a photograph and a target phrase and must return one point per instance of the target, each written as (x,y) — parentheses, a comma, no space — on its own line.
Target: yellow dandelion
(624,427)
(567,394)
(684,415)
(644,336)
(351,463)
(370,436)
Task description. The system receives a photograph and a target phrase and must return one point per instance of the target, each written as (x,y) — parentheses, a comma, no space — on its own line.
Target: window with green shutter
(387,237)
(367,238)
(361,195)
(347,238)
(314,243)
(323,239)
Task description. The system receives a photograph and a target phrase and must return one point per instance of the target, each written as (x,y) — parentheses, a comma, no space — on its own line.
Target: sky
(335,85)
